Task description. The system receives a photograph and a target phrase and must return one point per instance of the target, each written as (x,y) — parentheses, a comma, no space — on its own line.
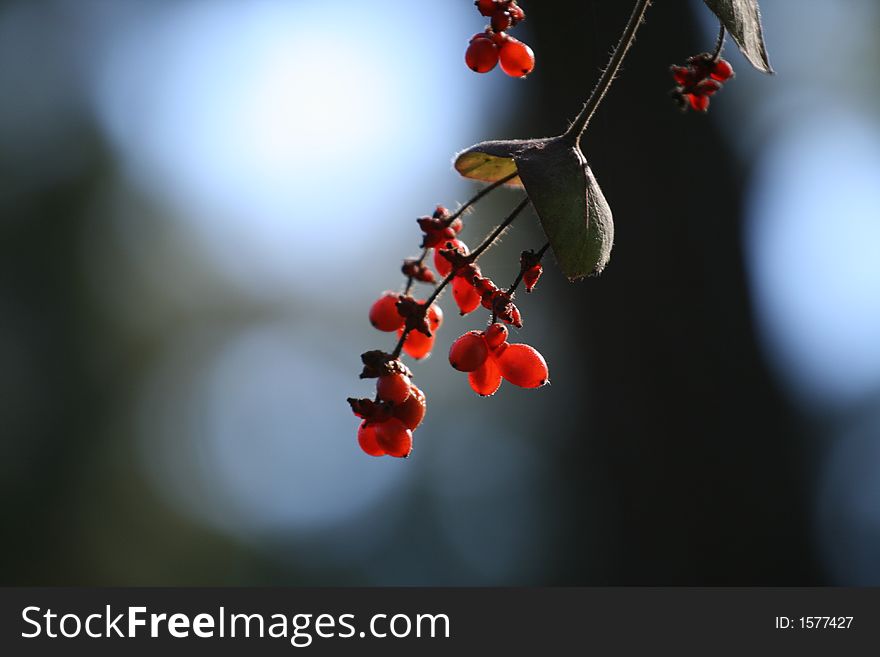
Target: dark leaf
(742,19)
(562,189)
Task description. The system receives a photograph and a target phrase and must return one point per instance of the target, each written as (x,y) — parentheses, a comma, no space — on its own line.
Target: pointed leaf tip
(742,18)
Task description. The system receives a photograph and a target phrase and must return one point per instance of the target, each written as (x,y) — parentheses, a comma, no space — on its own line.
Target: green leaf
(489,161)
(742,18)
(562,189)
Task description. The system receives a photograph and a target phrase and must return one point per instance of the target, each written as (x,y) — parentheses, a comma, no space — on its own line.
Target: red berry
(707,87)
(394,438)
(481,55)
(698,103)
(469,352)
(435,317)
(412,411)
(531,276)
(682,75)
(383,313)
(417,344)
(722,70)
(485,285)
(368,441)
(523,366)
(441,264)
(393,388)
(517,59)
(496,335)
(466,297)
(486,379)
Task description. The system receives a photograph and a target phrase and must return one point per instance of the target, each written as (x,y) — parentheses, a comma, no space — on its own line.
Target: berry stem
(538,256)
(495,234)
(480,250)
(579,125)
(455,215)
(719,44)
(519,277)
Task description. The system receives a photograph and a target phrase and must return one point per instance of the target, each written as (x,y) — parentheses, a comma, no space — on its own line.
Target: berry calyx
(482,54)
(486,379)
(486,7)
(412,411)
(442,263)
(523,366)
(468,352)
(383,313)
(517,59)
(372,411)
(394,388)
(501,20)
(417,317)
(698,103)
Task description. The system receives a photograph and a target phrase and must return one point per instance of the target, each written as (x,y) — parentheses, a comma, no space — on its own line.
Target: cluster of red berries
(398,312)
(388,420)
(439,228)
(399,407)
(488,357)
(494,45)
(701,77)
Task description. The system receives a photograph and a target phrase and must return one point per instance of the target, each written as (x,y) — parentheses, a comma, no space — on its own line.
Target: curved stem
(719,44)
(480,250)
(538,256)
(519,278)
(479,195)
(579,125)
(473,200)
(495,234)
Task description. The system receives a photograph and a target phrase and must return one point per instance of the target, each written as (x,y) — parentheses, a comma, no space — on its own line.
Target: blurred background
(199,200)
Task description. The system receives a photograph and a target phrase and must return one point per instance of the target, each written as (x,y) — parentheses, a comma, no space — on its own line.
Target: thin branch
(579,125)
(719,44)
(538,256)
(472,201)
(480,250)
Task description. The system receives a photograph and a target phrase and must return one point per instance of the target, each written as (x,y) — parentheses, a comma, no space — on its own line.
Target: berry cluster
(402,313)
(471,289)
(701,77)
(494,45)
(488,357)
(388,420)
(399,407)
